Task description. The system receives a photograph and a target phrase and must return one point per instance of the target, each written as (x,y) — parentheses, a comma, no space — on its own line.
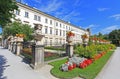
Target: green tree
(7,8)
(114,36)
(18,28)
(100,35)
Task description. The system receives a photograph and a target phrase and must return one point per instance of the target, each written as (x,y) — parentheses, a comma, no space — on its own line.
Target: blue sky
(98,15)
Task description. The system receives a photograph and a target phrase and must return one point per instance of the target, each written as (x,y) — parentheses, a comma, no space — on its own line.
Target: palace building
(53,28)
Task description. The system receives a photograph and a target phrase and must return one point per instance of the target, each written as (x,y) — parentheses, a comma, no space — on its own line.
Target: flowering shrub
(80,50)
(70,34)
(20,35)
(92,51)
(84,36)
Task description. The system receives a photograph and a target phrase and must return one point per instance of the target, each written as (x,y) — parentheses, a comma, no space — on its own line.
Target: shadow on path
(2,66)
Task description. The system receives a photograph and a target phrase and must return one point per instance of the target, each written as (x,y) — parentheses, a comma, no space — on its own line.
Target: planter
(19,39)
(69,39)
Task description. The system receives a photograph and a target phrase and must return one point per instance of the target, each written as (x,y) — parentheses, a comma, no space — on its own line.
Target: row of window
(56,31)
(57,41)
(38,18)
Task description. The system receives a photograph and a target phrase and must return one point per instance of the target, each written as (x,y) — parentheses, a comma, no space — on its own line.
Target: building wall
(53,28)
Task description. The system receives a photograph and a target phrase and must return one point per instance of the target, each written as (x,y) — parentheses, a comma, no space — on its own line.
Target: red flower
(70,33)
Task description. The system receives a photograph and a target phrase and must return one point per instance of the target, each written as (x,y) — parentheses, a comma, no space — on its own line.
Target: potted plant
(20,37)
(70,36)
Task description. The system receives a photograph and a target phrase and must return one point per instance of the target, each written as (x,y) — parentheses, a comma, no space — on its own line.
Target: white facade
(53,28)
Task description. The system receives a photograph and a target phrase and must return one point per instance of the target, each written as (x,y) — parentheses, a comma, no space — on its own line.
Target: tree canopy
(18,28)
(6,11)
(114,36)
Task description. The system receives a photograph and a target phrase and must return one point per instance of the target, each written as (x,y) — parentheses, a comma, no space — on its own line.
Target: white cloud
(116,16)
(92,26)
(71,15)
(102,9)
(77,2)
(109,29)
(51,6)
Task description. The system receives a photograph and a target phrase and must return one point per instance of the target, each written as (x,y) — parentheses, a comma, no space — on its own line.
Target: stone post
(38,56)
(19,40)
(37,48)
(14,47)
(69,45)
(9,45)
(18,48)
(69,49)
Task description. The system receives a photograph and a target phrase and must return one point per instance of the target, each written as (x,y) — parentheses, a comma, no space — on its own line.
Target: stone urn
(70,39)
(70,36)
(38,38)
(19,39)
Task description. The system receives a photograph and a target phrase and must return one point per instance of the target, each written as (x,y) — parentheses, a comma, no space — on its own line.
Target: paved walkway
(14,67)
(112,68)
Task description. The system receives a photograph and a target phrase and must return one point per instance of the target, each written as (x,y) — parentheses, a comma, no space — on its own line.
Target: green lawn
(89,72)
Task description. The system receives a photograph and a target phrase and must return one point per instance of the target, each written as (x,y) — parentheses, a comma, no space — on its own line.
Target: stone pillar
(69,49)
(9,46)
(18,48)
(14,47)
(38,56)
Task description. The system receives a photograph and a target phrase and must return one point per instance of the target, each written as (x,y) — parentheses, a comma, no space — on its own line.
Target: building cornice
(45,14)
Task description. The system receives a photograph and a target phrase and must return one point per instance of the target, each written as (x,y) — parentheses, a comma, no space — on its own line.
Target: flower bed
(92,53)
(92,50)
(89,72)
(48,55)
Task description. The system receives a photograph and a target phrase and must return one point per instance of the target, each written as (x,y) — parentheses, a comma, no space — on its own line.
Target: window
(56,23)
(35,17)
(66,27)
(56,32)
(46,20)
(60,41)
(56,40)
(50,30)
(39,18)
(51,42)
(63,26)
(60,32)
(26,14)
(46,30)
(17,12)
(63,33)
(51,22)
(60,25)
(46,39)
(69,28)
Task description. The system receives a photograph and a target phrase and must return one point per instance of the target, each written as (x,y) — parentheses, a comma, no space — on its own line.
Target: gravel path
(111,69)
(14,67)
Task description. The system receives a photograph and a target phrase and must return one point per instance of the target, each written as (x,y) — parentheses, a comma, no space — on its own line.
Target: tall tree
(7,8)
(114,36)
(100,35)
(18,28)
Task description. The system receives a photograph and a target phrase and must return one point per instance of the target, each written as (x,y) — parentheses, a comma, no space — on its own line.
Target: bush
(80,50)
(54,48)
(92,50)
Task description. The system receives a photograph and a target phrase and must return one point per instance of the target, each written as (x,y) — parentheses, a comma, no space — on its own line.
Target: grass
(51,57)
(53,48)
(89,72)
